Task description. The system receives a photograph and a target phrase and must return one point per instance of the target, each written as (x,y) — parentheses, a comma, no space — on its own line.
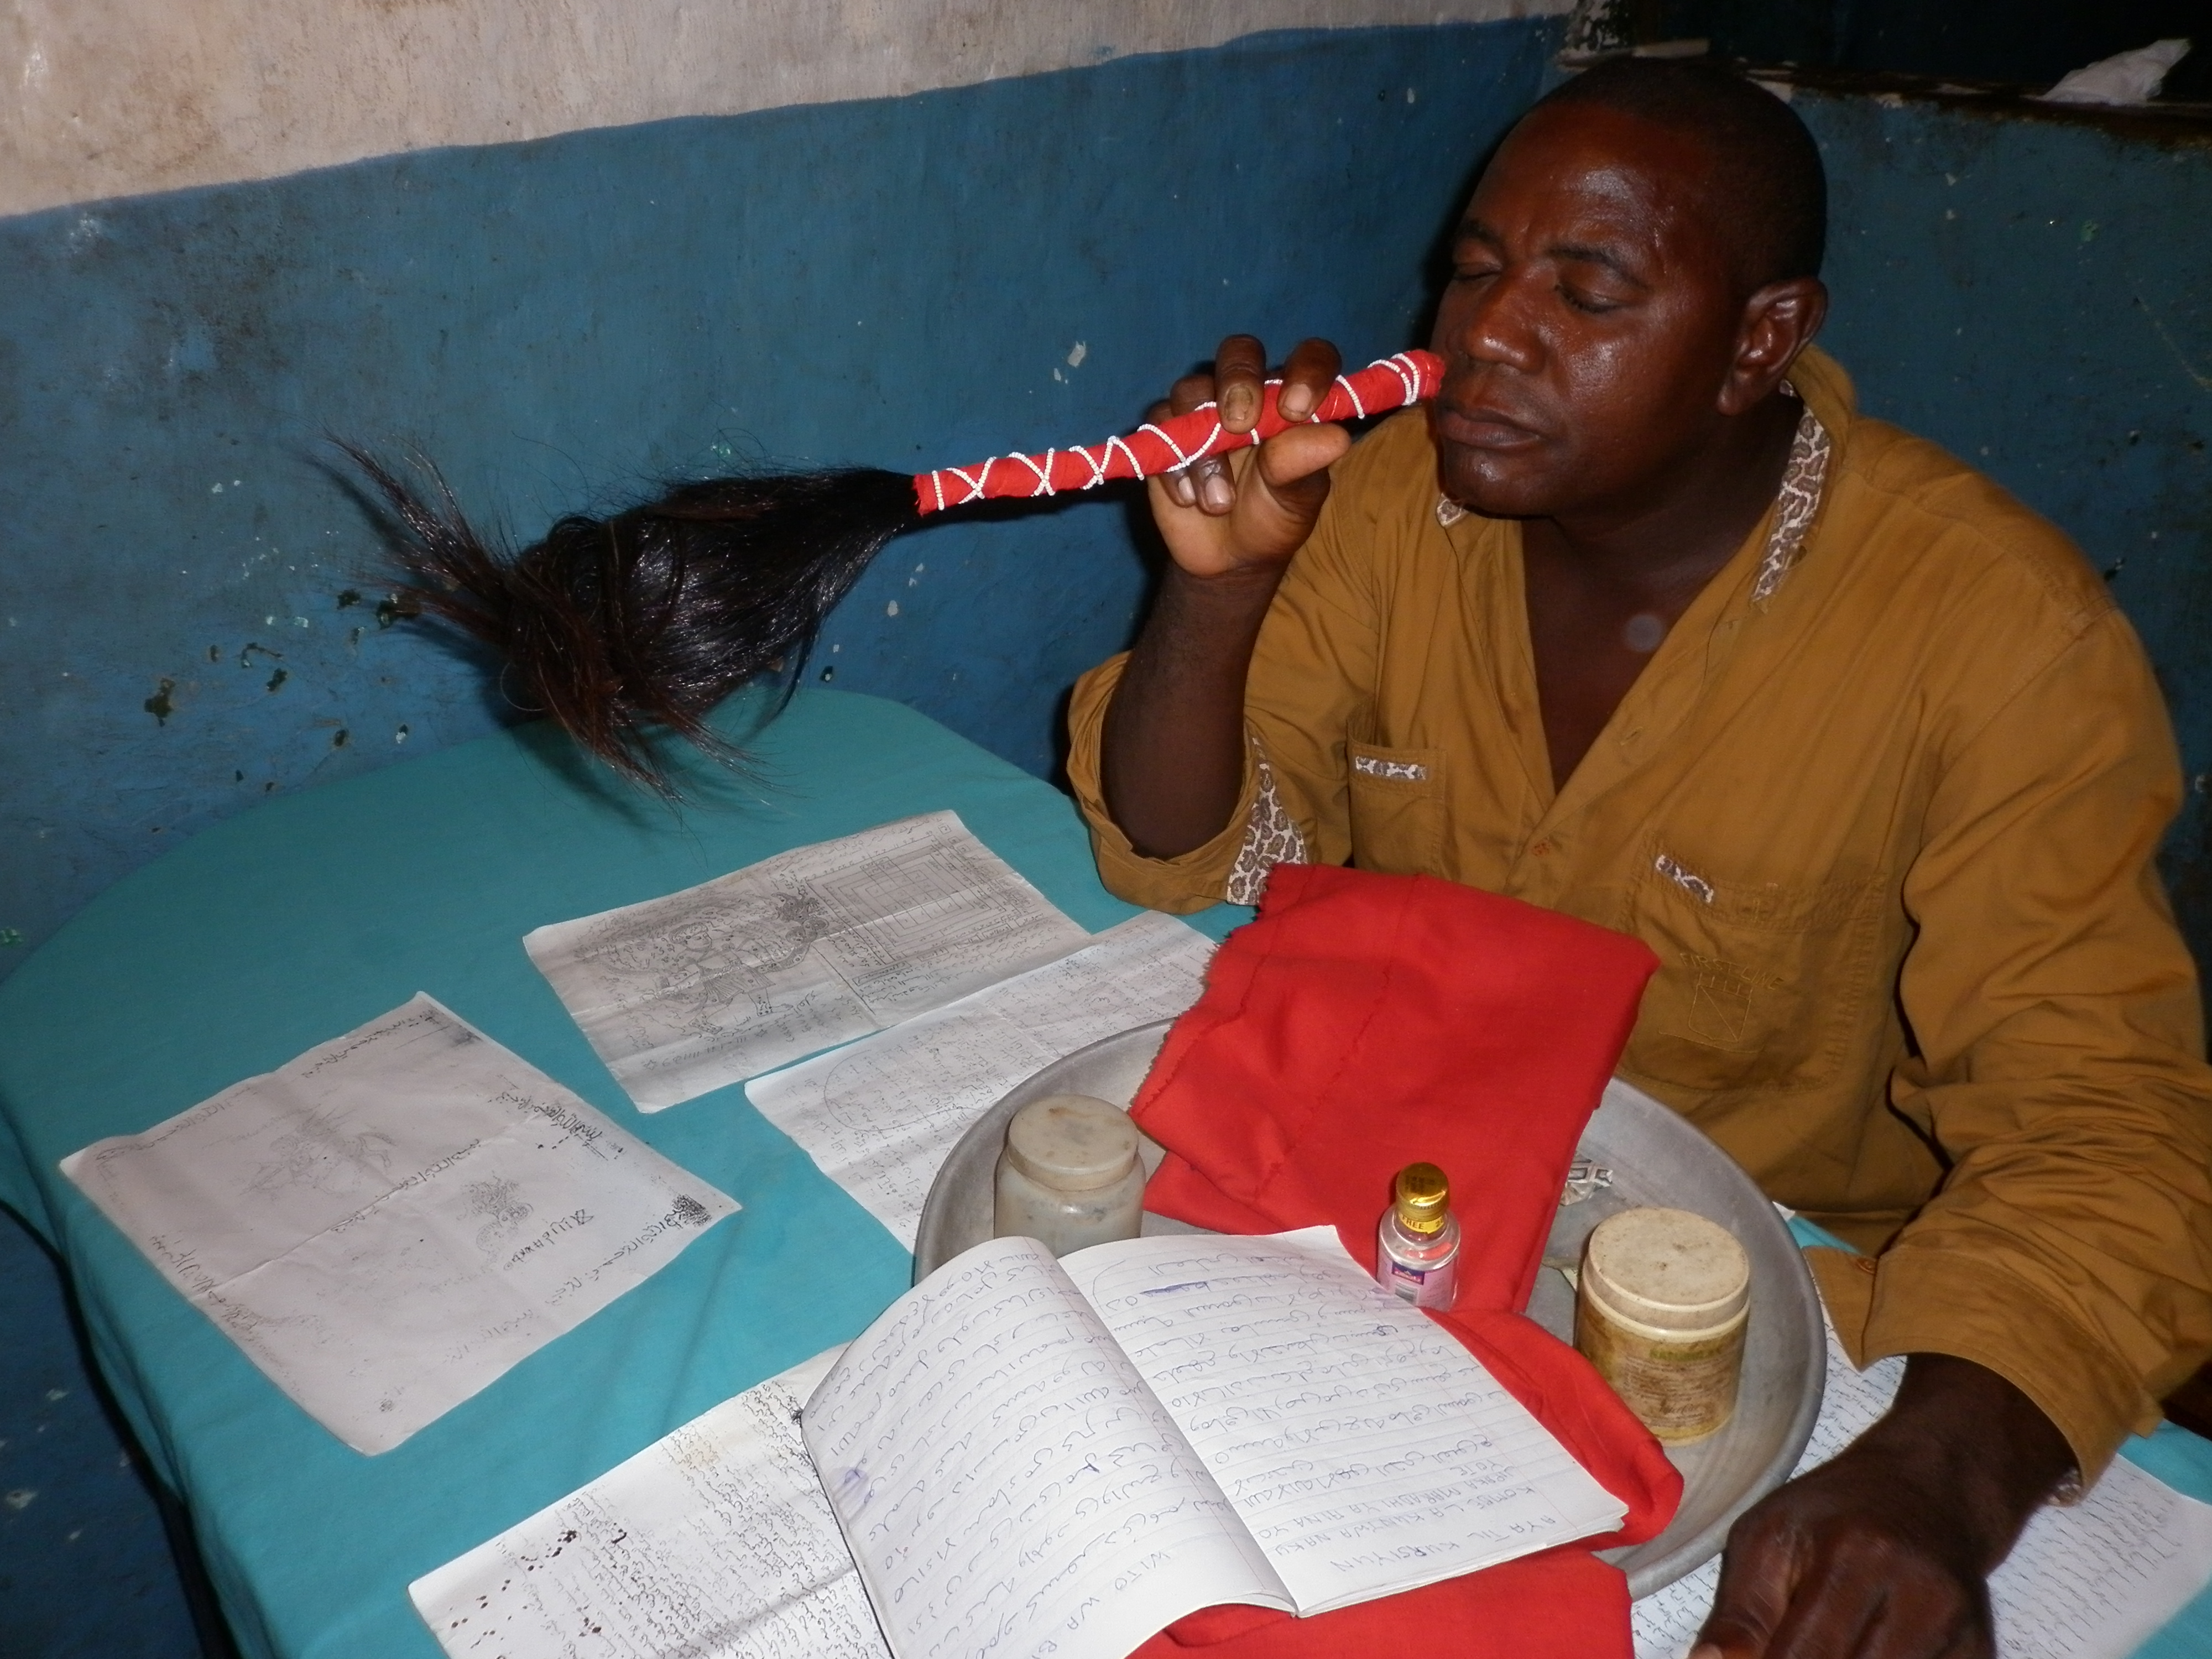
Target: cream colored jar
(1661,1308)
(1070,1175)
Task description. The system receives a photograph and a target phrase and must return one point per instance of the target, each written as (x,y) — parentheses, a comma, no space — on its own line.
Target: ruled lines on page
(1365,1448)
(1007,1484)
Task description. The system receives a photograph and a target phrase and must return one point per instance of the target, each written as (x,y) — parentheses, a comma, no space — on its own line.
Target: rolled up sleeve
(1182,884)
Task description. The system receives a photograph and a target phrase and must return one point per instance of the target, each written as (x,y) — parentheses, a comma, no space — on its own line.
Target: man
(1643,622)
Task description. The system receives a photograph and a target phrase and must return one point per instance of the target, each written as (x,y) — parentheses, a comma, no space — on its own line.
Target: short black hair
(1768,186)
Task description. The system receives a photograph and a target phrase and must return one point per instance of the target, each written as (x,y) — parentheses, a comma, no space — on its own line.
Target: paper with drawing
(878,1117)
(715,1541)
(1032,1458)
(389,1222)
(812,948)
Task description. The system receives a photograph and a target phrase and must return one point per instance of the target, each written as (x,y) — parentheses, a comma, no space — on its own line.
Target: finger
(1298,459)
(1313,368)
(1217,489)
(1284,489)
(1759,1573)
(1917,1618)
(1189,392)
(1177,484)
(1240,375)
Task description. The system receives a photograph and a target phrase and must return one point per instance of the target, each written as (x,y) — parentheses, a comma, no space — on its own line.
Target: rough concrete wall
(2036,297)
(118,97)
(187,623)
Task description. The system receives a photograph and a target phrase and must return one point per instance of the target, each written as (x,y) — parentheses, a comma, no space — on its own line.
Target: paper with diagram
(2086,1581)
(878,1117)
(714,1540)
(797,953)
(389,1222)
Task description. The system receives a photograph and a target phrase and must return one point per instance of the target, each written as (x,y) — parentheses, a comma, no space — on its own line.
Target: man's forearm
(1986,1442)
(1172,765)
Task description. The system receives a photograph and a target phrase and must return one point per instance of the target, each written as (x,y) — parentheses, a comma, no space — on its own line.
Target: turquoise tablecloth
(300,919)
(315,911)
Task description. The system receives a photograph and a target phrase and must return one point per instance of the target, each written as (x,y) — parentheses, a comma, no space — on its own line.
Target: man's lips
(1482,427)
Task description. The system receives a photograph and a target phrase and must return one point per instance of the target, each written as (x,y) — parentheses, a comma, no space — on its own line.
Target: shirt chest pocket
(1760,985)
(1397,809)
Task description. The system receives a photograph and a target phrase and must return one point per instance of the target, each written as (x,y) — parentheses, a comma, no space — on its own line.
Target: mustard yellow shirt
(1887,815)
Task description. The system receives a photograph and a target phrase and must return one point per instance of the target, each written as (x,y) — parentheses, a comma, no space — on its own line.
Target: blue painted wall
(925,280)
(900,283)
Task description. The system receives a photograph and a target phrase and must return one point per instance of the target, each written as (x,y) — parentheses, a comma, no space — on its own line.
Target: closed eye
(1588,303)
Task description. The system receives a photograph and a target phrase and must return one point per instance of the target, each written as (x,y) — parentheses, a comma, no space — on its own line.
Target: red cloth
(1367,1022)
(1160,446)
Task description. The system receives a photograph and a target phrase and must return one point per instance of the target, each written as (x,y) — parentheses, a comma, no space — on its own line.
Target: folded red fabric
(1366,1022)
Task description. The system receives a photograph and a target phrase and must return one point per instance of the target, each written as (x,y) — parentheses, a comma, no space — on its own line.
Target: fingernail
(1236,406)
(1295,403)
(1179,487)
(1707,1650)
(1219,497)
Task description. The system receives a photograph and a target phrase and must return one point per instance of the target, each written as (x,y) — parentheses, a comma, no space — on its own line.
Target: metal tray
(1655,1157)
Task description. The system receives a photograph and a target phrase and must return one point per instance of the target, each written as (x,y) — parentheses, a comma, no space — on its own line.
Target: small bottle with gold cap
(1417,1246)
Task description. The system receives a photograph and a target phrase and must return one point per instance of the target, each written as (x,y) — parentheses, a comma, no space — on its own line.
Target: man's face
(1590,322)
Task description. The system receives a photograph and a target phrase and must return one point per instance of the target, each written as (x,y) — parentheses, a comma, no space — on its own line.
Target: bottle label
(1425,1287)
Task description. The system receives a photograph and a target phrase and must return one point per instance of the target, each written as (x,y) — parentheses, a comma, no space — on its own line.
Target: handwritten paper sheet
(715,1542)
(2086,1581)
(1298,1381)
(389,1222)
(878,1117)
(1007,1482)
(812,948)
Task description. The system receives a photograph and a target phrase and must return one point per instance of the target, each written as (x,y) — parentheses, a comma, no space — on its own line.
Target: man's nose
(1497,324)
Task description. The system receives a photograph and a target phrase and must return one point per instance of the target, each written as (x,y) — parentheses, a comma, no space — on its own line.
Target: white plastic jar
(1070,1175)
(1659,1309)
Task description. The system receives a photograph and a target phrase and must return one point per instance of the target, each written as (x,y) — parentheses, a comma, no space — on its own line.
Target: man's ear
(1778,322)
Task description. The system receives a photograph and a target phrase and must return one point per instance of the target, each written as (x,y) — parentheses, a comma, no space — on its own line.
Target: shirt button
(1865,1264)
(1540,848)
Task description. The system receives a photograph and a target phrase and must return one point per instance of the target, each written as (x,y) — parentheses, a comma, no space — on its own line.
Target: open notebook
(1029,1456)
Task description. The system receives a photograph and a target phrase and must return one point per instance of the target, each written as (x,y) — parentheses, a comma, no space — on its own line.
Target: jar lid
(1422,1196)
(1072,1142)
(1668,1268)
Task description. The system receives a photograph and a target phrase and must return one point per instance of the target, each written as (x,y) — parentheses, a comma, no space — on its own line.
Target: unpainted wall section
(119,97)
(188,617)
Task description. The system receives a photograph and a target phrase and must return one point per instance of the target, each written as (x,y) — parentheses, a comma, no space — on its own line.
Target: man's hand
(1172,761)
(1882,1554)
(1249,511)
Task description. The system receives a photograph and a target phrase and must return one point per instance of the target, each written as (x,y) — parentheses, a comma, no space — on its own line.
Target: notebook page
(1007,1484)
(1365,1450)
